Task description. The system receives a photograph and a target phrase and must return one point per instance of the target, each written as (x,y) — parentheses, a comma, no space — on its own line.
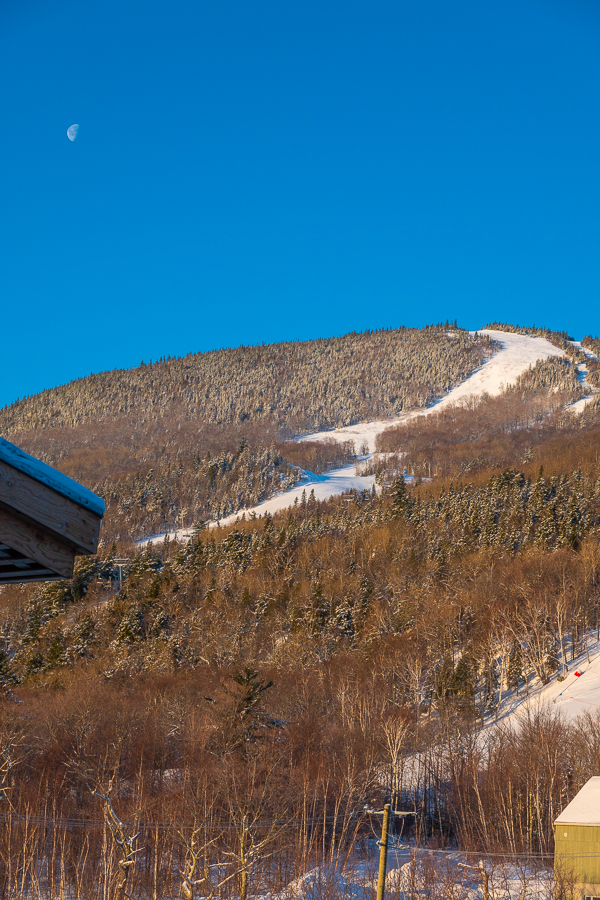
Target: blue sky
(249,172)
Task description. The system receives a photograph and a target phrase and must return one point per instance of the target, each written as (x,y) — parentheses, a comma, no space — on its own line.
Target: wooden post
(486,882)
(485,878)
(383,847)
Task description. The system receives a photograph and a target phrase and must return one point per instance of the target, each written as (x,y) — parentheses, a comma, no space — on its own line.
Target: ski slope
(332,484)
(571,697)
(582,371)
(516,353)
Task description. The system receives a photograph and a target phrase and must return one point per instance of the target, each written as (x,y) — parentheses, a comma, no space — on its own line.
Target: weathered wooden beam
(42,472)
(37,504)
(47,551)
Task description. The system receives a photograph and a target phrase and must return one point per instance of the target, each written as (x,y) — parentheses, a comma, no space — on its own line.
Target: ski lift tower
(46,519)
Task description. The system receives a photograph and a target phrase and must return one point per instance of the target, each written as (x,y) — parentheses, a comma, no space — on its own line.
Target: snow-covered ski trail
(577,694)
(582,371)
(516,354)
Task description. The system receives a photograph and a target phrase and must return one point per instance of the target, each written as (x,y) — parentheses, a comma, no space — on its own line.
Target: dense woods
(238,701)
(205,487)
(298,386)
(211,487)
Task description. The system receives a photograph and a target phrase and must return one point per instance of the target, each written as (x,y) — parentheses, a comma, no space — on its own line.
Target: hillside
(298,386)
(170,471)
(512,393)
(183,440)
(283,673)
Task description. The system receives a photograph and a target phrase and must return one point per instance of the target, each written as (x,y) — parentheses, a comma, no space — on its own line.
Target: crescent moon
(72,132)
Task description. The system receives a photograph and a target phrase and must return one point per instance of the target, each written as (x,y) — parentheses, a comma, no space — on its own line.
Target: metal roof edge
(562,822)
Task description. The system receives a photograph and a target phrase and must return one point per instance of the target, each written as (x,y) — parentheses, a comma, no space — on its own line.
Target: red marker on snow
(577,674)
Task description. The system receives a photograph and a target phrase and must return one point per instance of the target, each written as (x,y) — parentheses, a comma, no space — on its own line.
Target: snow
(420,872)
(52,478)
(459,872)
(579,405)
(334,483)
(322,881)
(516,354)
(572,697)
(584,808)
(585,350)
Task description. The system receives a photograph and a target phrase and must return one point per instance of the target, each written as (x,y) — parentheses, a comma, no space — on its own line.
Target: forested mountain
(299,386)
(182,440)
(260,685)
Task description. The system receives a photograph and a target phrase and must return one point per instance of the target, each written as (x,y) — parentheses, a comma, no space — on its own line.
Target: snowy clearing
(516,354)
(575,695)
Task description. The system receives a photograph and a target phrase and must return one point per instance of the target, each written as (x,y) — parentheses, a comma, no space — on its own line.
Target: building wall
(579,853)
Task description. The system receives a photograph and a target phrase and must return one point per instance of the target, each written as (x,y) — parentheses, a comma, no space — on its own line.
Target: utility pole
(383,848)
(243,858)
(383,843)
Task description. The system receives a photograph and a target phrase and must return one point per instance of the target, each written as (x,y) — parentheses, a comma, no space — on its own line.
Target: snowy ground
(571,697)
(421,873)
(516,354)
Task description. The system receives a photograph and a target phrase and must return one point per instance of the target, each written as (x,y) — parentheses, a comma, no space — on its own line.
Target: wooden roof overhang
(46,519)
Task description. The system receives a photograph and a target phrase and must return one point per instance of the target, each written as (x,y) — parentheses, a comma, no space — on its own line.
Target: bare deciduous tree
(124,842)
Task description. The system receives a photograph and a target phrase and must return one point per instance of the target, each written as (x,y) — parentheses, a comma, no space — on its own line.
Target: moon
(72,132)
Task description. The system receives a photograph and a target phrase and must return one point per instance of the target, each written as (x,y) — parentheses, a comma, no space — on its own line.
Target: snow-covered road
(517,352)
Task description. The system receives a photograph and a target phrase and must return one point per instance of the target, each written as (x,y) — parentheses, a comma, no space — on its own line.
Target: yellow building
(577,840)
